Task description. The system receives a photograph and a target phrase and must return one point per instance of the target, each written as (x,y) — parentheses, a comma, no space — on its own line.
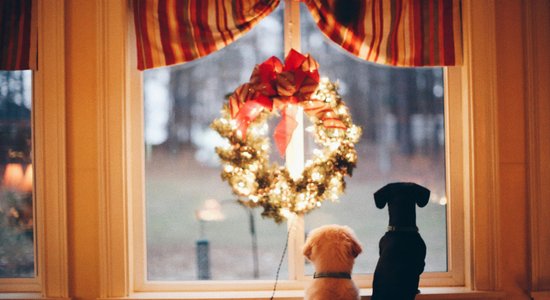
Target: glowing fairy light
(318,153)
(300,206)
(287,214)
(316,176)
(342,110)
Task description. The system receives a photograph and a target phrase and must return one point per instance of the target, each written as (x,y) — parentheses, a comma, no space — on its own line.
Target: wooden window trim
(474,150)
(50,202)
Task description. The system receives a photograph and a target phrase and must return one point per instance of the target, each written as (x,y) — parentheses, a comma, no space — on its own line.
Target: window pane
(401,113)
(182,171)
(16,183)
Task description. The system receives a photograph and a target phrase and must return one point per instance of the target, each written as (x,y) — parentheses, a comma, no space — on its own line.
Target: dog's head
(399,190)
(332,248)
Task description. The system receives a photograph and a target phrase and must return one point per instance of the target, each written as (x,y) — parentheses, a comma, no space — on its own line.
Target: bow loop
(241,95)
(294,60)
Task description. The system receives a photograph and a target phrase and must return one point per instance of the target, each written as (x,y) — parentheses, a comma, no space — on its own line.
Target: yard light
(210,211)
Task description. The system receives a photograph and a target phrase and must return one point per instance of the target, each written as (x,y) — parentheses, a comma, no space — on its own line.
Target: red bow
(272,84)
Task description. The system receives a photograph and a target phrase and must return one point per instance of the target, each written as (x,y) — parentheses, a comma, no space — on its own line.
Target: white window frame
(48,134)
(471,142)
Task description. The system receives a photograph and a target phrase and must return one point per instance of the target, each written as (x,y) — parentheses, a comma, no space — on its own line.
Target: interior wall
(82,149)
(513,205)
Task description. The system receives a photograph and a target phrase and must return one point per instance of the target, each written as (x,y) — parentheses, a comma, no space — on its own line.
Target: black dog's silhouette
(402,250)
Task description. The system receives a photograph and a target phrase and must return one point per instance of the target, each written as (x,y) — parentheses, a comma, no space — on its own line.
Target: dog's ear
(356,248)
(307,250)
(382,196)
(421,194)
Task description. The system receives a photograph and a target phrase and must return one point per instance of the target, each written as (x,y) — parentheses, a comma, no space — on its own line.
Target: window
(406,138)
(470,101)
(401,111)
(17,259)
(182,174)
(34,126)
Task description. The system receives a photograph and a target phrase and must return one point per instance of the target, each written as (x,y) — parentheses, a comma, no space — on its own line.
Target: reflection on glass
(16,171)
(195,228)
(401,113)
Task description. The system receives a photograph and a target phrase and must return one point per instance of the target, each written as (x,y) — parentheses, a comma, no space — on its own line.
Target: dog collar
(342,275)
(402,228)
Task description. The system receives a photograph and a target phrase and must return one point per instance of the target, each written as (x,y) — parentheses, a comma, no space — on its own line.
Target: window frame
(29,284)
(473,232)
(48,135)
(295,161)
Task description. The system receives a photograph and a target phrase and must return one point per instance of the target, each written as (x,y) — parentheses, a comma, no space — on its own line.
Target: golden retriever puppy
(332,249)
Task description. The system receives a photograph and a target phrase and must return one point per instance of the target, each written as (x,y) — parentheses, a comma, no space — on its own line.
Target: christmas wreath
(276,87)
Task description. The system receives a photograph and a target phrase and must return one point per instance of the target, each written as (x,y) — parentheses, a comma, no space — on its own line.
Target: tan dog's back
(332,289)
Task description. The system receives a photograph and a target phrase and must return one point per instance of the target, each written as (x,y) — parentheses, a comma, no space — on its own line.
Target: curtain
(175,31)
(394,32)
(17,35)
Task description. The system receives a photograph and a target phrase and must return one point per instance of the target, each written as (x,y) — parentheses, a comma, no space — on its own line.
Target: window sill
(543,295)
(30,296)
(455,293)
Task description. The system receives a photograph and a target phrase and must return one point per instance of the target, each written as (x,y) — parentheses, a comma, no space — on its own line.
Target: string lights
(259,183)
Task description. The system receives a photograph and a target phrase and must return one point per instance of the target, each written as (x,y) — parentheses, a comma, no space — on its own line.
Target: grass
(177,186)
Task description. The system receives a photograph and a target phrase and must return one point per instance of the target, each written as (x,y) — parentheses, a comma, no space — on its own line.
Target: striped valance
(175,31)
(396,32)
(392,32)
(17,35)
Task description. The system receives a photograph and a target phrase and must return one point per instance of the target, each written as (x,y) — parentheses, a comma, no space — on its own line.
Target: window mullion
(295,150)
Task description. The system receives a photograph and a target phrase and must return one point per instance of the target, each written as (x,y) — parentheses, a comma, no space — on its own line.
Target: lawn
(177,186)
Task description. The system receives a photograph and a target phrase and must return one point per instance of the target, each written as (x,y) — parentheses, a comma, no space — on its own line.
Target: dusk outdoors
(401,112)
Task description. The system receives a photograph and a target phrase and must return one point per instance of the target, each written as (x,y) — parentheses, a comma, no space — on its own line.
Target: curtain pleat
(17,35)
(175,31)
(395,32)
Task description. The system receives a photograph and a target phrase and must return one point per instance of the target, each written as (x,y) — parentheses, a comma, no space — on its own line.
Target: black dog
(402,250)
